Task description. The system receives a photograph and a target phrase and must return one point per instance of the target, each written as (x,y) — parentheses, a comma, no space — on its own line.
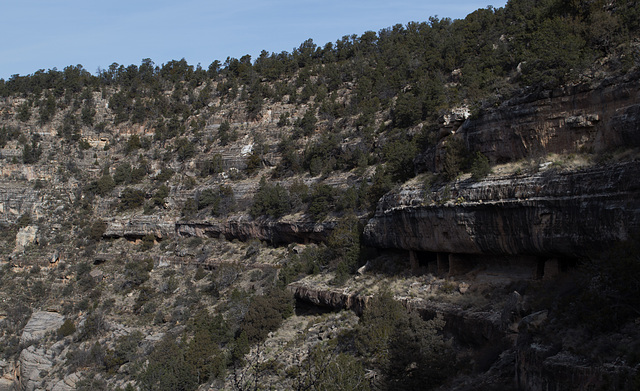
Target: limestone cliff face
(569,119)
(549,213)
(243,227)
(16,199)
(546,214)
(140,226)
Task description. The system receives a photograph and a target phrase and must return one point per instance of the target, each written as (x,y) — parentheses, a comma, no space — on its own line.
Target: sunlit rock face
(571,119)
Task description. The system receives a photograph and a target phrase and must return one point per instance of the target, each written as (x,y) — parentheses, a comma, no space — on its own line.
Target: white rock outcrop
(25,236)
(35,364)
(39,324)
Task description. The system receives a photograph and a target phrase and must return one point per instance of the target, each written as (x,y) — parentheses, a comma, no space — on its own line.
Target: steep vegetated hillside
(444,204)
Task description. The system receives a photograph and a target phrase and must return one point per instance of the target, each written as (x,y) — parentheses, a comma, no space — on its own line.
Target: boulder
(534,321)
(6,384)
(7,371)
(68,383)
(55,257)
(25,236)
(34,364)
(39,324)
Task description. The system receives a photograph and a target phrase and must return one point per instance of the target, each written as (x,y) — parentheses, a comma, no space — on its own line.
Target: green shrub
(67,328)
(133,144)
(266,313)
(290,162)
(240,348)
(480,166)
(94,325)
(88,114)
(190,208)
(409,351)
(208,197)
(104,185)
(348,200)
(147,242)
(40,184)
(407,110)
(167,369)
(184,149)
(97,229)
(344,241)
(200,274)
(607,292)
(143,304)
(124,351)
(84,145)
(221,200)
(298,195)
(398,156)
(31,153)
(254,163)
(283,120)
(212,166)
(324,369)
(455,158)
(24,112)
(321,155)
(84,279)
(159,196)
(226,134)
(321,201)
(341,275)
(310,261)
(270,200)
(122,174)
(85,358)
(131,198)
(136,273)
(24,220)
(306,124)
(203,352)
(382,183)
(138,173)
(164,175)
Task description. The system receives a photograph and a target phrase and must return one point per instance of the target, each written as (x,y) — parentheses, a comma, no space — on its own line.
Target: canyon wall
(577,118)
(550,213)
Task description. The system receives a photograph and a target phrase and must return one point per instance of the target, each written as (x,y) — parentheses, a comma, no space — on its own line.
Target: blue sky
(43,34)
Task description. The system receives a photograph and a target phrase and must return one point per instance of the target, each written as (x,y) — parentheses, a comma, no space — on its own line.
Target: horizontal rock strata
(243,227)
(546,214)
(565,120)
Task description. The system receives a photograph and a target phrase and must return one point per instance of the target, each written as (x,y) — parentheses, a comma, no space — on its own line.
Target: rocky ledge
(549,214)
(136,227)
(473,327)
(290,229)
